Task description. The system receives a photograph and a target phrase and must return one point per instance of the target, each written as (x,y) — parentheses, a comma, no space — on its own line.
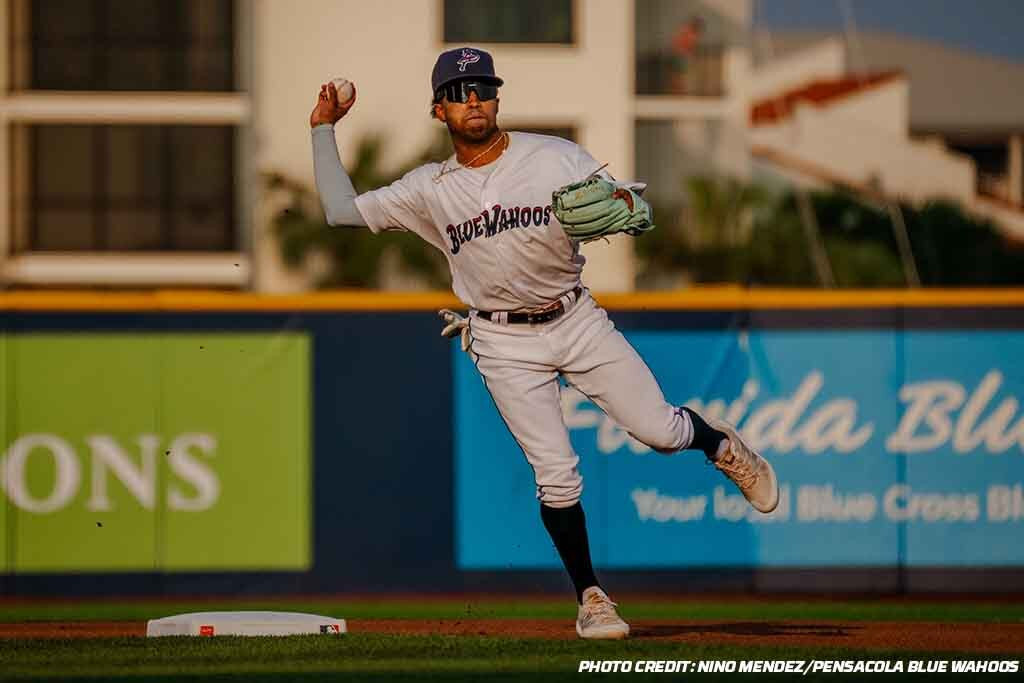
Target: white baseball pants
(520,364)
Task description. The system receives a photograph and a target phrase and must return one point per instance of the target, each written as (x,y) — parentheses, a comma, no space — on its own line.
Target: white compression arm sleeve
(337,194)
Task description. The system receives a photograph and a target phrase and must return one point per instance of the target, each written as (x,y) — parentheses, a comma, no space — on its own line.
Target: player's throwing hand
(328,109)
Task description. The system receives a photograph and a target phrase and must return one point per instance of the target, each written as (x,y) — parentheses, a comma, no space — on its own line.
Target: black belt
(542,315)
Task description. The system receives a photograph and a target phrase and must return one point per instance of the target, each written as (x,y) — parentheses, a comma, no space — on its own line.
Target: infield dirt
(958,637)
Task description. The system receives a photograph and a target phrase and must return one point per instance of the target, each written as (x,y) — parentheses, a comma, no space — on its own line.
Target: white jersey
(494,224)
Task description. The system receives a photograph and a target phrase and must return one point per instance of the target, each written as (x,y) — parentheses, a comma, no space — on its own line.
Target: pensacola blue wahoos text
(498,219)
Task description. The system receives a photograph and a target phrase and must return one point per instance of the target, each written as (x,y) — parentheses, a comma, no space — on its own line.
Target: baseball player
(509,210)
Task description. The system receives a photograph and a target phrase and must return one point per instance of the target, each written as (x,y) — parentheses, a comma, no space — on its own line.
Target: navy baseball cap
(463,62)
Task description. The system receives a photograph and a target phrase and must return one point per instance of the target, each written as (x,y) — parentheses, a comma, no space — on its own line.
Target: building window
(680,48)
(661,161)
(123,188)
(508,21)
(992,161)
(126,181)
(670,153)
(147,45)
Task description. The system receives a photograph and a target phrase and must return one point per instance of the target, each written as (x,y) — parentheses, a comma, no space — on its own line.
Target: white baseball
(345,90)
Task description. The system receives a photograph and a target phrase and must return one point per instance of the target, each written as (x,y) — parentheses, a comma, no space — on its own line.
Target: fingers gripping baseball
(455,325)
(330,106)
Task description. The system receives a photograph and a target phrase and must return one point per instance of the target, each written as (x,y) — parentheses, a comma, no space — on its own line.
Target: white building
(888,114)
(138,130)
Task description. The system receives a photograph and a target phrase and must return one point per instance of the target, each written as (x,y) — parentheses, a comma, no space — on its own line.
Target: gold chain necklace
(444,165)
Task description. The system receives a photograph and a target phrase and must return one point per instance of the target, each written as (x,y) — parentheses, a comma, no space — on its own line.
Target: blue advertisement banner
(892,448)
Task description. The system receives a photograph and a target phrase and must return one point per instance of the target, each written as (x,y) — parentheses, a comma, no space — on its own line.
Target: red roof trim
(817,93)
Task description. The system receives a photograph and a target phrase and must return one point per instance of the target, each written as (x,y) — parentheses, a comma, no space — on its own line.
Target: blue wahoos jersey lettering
(498,219)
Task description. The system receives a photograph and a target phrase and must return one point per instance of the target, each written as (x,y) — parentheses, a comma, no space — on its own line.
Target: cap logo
(468,57)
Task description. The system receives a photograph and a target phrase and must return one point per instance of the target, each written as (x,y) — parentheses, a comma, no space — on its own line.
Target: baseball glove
(594,208)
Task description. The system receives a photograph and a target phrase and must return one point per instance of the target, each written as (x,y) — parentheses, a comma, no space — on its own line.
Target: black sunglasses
(458,91)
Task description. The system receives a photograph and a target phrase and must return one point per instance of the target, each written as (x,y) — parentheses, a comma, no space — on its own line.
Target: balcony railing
(699,74)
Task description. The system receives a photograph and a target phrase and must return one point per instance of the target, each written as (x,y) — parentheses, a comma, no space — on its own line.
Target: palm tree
(731,232)
(706,235)
(353,258)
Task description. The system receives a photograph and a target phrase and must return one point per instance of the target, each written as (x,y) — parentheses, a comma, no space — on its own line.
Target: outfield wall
(202,442)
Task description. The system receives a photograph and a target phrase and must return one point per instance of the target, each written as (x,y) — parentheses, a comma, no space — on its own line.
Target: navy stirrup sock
(705,437)
(568,529)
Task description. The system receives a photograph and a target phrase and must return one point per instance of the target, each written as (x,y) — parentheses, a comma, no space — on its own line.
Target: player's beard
(474,135)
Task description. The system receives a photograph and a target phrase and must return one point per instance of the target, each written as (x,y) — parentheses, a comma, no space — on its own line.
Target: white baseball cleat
(597,618)
(754,475)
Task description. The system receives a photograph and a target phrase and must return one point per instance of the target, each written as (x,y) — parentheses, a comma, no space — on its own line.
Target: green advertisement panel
(5,409)
(166,452)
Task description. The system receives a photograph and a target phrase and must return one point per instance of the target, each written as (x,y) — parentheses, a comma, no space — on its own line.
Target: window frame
(231,268)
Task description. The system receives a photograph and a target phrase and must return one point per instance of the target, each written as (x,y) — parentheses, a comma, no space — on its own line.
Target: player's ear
(439,112)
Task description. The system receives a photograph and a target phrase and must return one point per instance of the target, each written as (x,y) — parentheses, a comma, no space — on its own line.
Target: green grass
(380,657)
(363,657)
(866,610)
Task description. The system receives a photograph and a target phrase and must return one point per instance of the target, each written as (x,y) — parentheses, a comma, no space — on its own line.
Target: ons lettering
(192,485)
